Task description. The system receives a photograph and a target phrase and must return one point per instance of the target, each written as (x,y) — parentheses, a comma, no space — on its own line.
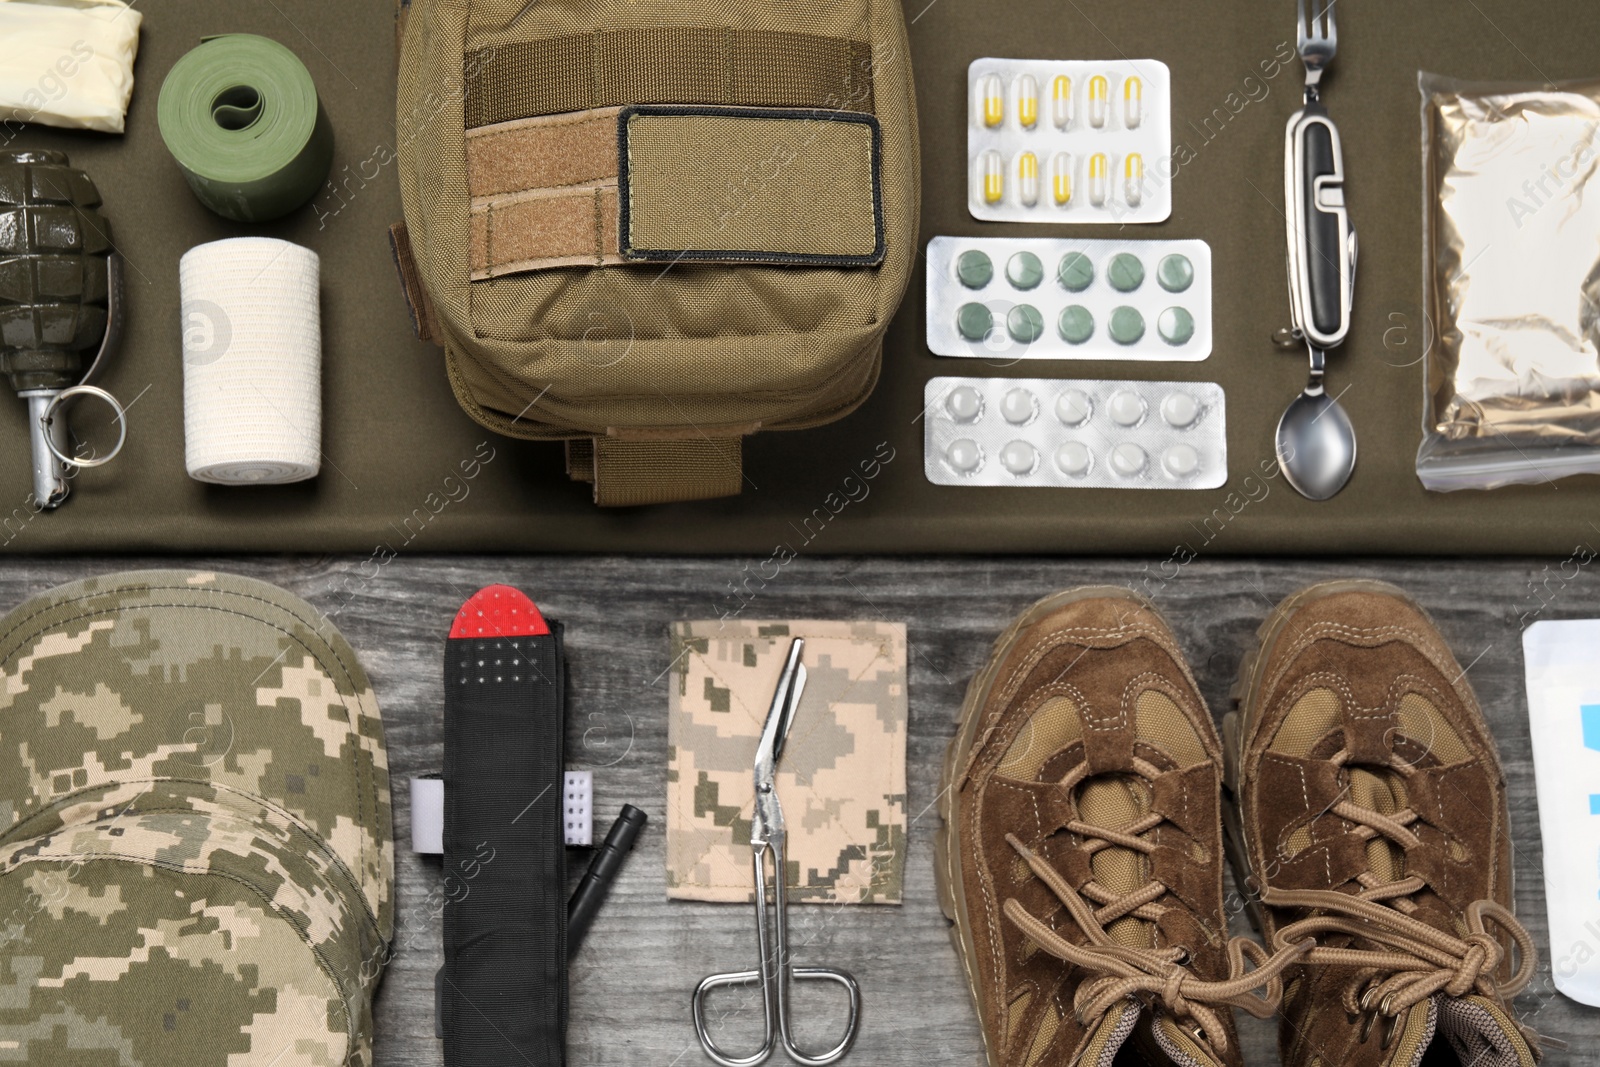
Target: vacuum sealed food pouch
(1511,245)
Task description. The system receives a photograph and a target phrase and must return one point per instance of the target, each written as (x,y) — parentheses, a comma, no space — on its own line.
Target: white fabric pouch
(1564,724)
(67,63)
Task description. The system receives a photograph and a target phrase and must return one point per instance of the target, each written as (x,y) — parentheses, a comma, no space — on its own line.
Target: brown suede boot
(1081,855)
(1372,823)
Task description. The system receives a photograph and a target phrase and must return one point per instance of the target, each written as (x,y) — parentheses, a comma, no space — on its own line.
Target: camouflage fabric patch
(842,778)
(196,852)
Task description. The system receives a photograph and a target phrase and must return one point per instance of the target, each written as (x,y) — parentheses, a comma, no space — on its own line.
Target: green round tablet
(1175,273)
(1176,326)
(1075,272)
(1126,273)
(1024,270)
(1076,324)
(974,321)
(974,269)
(1127,325)
(1025,324)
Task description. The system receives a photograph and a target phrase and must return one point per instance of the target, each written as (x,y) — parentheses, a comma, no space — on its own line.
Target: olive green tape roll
(241,116)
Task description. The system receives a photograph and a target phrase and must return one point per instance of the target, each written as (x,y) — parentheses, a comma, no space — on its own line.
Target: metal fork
(1318,44)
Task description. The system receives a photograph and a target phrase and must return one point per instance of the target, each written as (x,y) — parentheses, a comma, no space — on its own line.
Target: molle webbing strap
(666,65)
(580,459)
(658,472)
(545,228)
(504,989)
(424,319)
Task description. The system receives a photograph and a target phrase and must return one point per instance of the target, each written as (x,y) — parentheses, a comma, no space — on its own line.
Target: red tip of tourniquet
(498,611)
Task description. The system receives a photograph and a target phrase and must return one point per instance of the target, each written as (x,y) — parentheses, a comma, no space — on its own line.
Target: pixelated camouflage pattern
(842,778)
(196,853)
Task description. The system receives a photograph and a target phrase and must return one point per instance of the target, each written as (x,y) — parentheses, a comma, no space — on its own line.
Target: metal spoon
(1316,443)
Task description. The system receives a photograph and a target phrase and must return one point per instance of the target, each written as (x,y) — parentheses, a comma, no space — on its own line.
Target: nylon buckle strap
(627,473)
(503,988)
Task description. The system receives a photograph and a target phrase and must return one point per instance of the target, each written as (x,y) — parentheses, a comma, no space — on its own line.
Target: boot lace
(1414,960)
(1157,975)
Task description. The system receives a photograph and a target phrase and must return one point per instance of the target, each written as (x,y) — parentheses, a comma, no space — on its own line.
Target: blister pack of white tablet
(1069,140)
(1069,298)
(1050,432)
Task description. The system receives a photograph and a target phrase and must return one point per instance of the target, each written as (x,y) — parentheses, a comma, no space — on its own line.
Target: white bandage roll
(252,362)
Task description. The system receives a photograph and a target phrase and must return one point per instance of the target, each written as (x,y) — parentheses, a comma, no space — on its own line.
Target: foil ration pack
(1512,267)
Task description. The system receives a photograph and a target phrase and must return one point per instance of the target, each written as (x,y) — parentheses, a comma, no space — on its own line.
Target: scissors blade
(767,820)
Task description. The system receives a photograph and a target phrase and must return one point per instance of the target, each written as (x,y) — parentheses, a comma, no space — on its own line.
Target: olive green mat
(395,440)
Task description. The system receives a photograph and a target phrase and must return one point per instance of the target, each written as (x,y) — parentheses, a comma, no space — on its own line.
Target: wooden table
(631,982)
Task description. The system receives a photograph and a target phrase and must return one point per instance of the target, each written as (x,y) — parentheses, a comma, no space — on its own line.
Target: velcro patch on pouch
(750,185)
(671,183)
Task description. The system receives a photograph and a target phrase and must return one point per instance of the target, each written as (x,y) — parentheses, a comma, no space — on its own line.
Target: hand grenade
(59,277)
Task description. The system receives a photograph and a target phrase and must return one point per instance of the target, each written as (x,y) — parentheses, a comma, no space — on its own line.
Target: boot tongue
(1128,1020)
(1180,1046)
(1481,1033)
(1116,802)
(1383,792)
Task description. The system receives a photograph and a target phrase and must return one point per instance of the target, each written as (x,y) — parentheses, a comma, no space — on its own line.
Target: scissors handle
(837,1052)
(774,975)
(712,1049)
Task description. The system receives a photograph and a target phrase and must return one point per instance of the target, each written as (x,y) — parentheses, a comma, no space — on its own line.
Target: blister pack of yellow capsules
(1069,141)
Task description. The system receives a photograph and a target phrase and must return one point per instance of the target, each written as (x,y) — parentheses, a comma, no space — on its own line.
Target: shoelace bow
(1126,971)
(1417,959)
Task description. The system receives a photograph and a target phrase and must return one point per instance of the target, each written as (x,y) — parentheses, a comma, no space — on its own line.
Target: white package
(1069,140)
(427,812)
(1084,294)
(427,816)
(67,63)
(252,362)
(1051,432)
(1559,658)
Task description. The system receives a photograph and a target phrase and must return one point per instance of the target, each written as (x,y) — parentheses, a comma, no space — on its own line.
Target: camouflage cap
(196,854)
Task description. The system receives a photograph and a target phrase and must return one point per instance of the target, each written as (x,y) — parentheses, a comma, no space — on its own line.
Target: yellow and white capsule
(1061,178)
(1099,100)
(1061,101)
(994,177)
(1028,179)
(1099,179)
(1133,179)
(994,99)
(1027,101)
(1132,102)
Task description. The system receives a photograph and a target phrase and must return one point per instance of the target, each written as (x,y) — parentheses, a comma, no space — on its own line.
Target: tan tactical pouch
(652,227)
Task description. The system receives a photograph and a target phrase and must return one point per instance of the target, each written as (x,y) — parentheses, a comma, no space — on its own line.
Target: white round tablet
(1127,458)
(1180,410)
(964,455)
(1073,458)
(964,403)
(1073,407)
(1181,460)
(1126,408)
(1017,406)
(1018,457)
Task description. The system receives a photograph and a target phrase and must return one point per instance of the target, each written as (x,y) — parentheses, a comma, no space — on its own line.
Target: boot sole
(946,858)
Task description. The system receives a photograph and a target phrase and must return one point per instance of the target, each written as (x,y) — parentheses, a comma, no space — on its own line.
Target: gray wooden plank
(631,983)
